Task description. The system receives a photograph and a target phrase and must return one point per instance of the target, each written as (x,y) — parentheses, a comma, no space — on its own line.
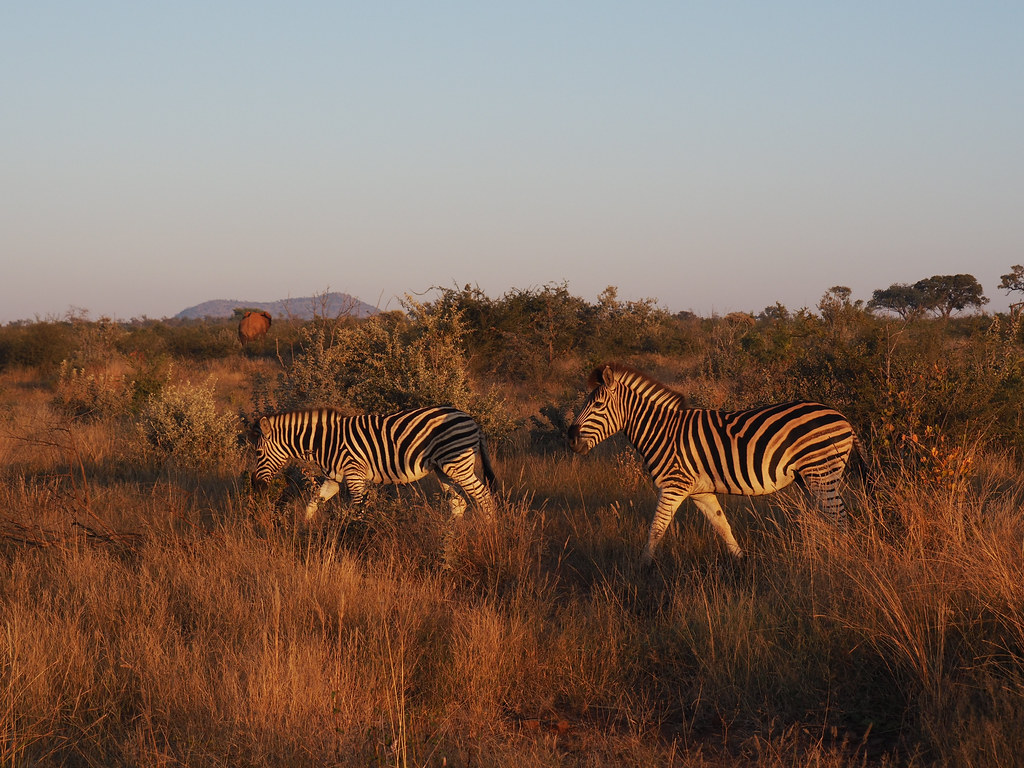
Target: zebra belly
(414,474)
(732,487)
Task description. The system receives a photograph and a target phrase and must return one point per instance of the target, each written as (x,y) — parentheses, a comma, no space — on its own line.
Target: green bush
(389,362)
(203,341)
(42,345)
(182,424)
(318,374)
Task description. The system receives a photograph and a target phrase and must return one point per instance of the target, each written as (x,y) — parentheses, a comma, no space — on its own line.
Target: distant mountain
(324,305)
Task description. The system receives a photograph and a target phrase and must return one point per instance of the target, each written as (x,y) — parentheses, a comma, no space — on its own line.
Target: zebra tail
(861,462)
(485,459)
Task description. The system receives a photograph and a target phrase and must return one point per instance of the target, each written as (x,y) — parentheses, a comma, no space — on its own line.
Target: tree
(902,299)
(835,306)
(535,328)
(1014,280)
(838,312)
(945,294)
(555,319)
(777,312)
(617,327)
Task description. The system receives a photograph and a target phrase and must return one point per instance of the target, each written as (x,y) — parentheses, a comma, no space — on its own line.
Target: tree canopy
(945,294)
(1013,280)
(900,298)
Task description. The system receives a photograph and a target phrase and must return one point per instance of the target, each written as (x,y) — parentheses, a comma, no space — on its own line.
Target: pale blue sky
(716,156)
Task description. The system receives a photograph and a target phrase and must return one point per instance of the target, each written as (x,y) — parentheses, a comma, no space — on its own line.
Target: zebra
(395,448)
(697,453)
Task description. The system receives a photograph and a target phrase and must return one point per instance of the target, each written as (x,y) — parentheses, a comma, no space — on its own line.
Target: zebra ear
(265,426)
(608,376)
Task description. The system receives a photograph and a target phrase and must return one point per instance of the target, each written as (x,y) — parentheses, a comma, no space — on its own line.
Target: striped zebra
(696,453)
(397,448)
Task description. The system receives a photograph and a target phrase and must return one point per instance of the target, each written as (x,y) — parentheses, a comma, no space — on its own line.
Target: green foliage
(1013,280)
(524,335)
(149,375)
(42,345)
(86,343)
(412,363)
(391,361)
(182,423)
(899,298)
(945,294)
(617,327)
(208,339)
(202,341)
(549,427)
(319,373)
(104,374)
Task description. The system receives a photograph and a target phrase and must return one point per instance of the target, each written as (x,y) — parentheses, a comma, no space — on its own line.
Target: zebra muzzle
(576,441)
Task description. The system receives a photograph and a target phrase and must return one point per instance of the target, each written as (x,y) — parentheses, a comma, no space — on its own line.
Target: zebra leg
(461,474)
(327,491)
(457,502)
(708,504)
(668,503)
(357,487)
(825,489)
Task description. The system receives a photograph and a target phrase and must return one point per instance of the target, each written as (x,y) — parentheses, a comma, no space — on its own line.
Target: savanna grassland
(155,611)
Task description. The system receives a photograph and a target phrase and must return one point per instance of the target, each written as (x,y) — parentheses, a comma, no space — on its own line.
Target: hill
(328,304)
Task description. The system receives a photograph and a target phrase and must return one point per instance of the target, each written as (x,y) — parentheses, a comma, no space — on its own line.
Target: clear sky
(716,156)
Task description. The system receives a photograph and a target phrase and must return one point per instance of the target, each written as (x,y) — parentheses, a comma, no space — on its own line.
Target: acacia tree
(945,294)
(1014,280)
(900,298)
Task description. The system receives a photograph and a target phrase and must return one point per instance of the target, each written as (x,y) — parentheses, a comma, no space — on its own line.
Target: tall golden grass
(156,617)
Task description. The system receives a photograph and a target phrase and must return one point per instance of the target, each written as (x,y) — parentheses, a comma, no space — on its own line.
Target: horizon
(85,314)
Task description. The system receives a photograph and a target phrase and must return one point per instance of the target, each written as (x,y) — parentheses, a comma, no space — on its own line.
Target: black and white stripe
(397,448)
(696,453)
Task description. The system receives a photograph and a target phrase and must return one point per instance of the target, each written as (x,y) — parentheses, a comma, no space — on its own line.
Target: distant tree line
(940,294)
(896,366)
(523,334)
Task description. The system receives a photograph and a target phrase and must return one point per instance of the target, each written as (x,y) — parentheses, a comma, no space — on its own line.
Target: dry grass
(153,617)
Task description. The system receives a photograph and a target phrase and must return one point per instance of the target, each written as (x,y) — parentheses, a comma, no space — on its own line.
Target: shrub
(417,363)
(203,341)
(38,345)
(182,423)
(92,395)
(389,362)
(320,372)
(549,427)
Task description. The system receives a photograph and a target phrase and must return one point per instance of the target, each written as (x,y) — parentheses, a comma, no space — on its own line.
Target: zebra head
(271,452)
(601,415)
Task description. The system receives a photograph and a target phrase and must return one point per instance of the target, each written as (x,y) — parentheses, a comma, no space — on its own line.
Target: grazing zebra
(696,453)
(397,448)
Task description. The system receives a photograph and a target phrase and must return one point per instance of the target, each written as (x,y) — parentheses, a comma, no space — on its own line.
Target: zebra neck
(309,444)
(647,424)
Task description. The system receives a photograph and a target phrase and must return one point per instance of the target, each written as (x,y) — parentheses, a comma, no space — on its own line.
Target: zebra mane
(311,409)
(282,416)
(634,379)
